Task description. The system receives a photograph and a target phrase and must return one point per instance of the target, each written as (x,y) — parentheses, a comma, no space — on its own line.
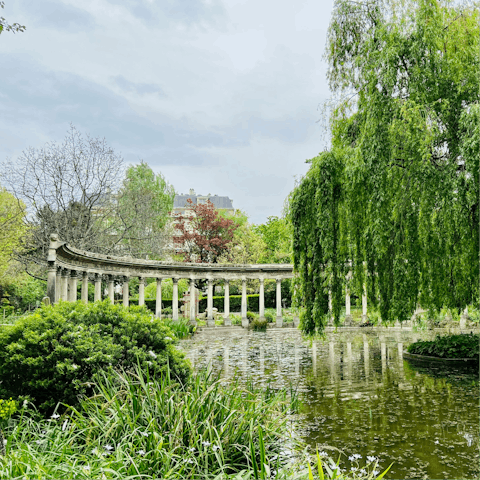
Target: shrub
(251,316)
(269,317)
(258,325)
(167,311)
(54,354)
(449,346)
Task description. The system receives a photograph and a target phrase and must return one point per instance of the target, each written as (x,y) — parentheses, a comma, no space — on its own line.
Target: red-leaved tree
(202,234)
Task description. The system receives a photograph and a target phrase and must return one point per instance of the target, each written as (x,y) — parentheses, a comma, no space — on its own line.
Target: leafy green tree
(396,198)
(145,202)
(4,25)
(12,227)
(277,235)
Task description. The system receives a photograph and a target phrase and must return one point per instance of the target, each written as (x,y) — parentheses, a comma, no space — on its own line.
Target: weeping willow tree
(395,201)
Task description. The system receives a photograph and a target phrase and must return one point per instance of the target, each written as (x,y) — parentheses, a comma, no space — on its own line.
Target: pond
(358,394)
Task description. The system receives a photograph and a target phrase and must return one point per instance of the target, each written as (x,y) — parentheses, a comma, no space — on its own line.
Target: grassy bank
(448,346)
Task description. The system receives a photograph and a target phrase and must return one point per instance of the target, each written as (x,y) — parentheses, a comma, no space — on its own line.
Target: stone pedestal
(210,322)
(227,321)
(296,321)
(364,318)
(245,322)
(279,322)
(348,320)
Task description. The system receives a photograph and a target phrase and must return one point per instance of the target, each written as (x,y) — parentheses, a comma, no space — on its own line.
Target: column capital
(85,274)
(65,272)
(261,280)
(141,279)
(98,277)
(175,279)
(244,279)
(226,281)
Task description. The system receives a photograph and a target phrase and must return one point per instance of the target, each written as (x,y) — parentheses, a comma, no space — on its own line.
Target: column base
(348,320)
(364,318)
(210,322)
(296,322)
(193,323)
(279,322)
(227,321)
(245,322)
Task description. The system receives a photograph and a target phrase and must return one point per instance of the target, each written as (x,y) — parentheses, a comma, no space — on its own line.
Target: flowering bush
(54,354)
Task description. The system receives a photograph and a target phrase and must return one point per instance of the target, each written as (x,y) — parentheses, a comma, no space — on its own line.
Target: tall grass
(135,427)
(181,327)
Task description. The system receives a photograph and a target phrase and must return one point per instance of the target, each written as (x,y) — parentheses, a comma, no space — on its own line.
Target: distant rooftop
(180,200)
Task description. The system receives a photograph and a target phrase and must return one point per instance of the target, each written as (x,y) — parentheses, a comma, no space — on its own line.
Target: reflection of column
(314,357)
(261,299)
(73,286)
(366,357)
(400,359)
(364,304)
(210,319)
(98,288)
(64,294)
(193,303)
(279,303)
(348,314)
(226,361)
(331,358)
(349,362)
(141,290)
(125,292)
(58,285)
(227,321)
(297,360)
(85,287)
(262,360)
(158,299)
(175,299)
(244,303)
(111,289)
(383,350)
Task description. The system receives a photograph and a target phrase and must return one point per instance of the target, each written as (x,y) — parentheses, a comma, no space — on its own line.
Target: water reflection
(358,394)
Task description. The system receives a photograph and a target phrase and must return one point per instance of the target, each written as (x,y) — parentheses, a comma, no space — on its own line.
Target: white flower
(370,458)
(436,442)
(108,447)
(145,434)
(354,469)
(189,460)
(215,447)
(55,416)
(141,452)
(4,441)
(38,442)
(95,451)
(64,426)
(351,458)
(191,449)
(323,454)
(152,354)
(356,455)
(207,444)
(168,338)
(363,471)
(86,467)
(375,472)
(74,366)
(25,403)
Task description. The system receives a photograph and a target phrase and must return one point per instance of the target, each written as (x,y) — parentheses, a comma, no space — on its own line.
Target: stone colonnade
(67,265)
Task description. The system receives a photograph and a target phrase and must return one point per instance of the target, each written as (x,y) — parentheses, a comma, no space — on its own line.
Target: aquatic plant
(448,346)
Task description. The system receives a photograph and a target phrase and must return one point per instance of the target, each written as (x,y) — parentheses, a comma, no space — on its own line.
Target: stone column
(158,299)
(64,294)
(227,321)
(244,303)
(175,299)
(261,299)
(348,313)
(85,287)
(141,290)
(98,288)
(193,304)
(111,289)
(364,304)
(279,303)
(125,292)
(210,319)
(72,291)
(58,284)
(52,269)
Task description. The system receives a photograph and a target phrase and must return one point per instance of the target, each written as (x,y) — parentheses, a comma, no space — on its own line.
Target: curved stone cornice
(71,258)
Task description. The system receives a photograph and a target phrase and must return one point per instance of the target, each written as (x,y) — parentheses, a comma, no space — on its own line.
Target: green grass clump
(135,426)
(258,325)
(54,354)
(448,346)
(180,328)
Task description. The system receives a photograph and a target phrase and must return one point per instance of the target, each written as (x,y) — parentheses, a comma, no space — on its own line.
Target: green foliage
(7,408)
(276,233)
(251,316)
(181,328)
(54,354)
(154,428)
(269,317)
(258,325)
(396,199)
(448,346)
(22,292)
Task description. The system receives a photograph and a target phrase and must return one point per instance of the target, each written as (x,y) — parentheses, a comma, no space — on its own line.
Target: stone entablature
(67,265)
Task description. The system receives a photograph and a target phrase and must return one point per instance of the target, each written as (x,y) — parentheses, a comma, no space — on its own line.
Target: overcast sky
(218,95)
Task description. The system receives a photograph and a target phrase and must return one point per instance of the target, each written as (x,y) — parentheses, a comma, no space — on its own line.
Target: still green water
(359,395)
